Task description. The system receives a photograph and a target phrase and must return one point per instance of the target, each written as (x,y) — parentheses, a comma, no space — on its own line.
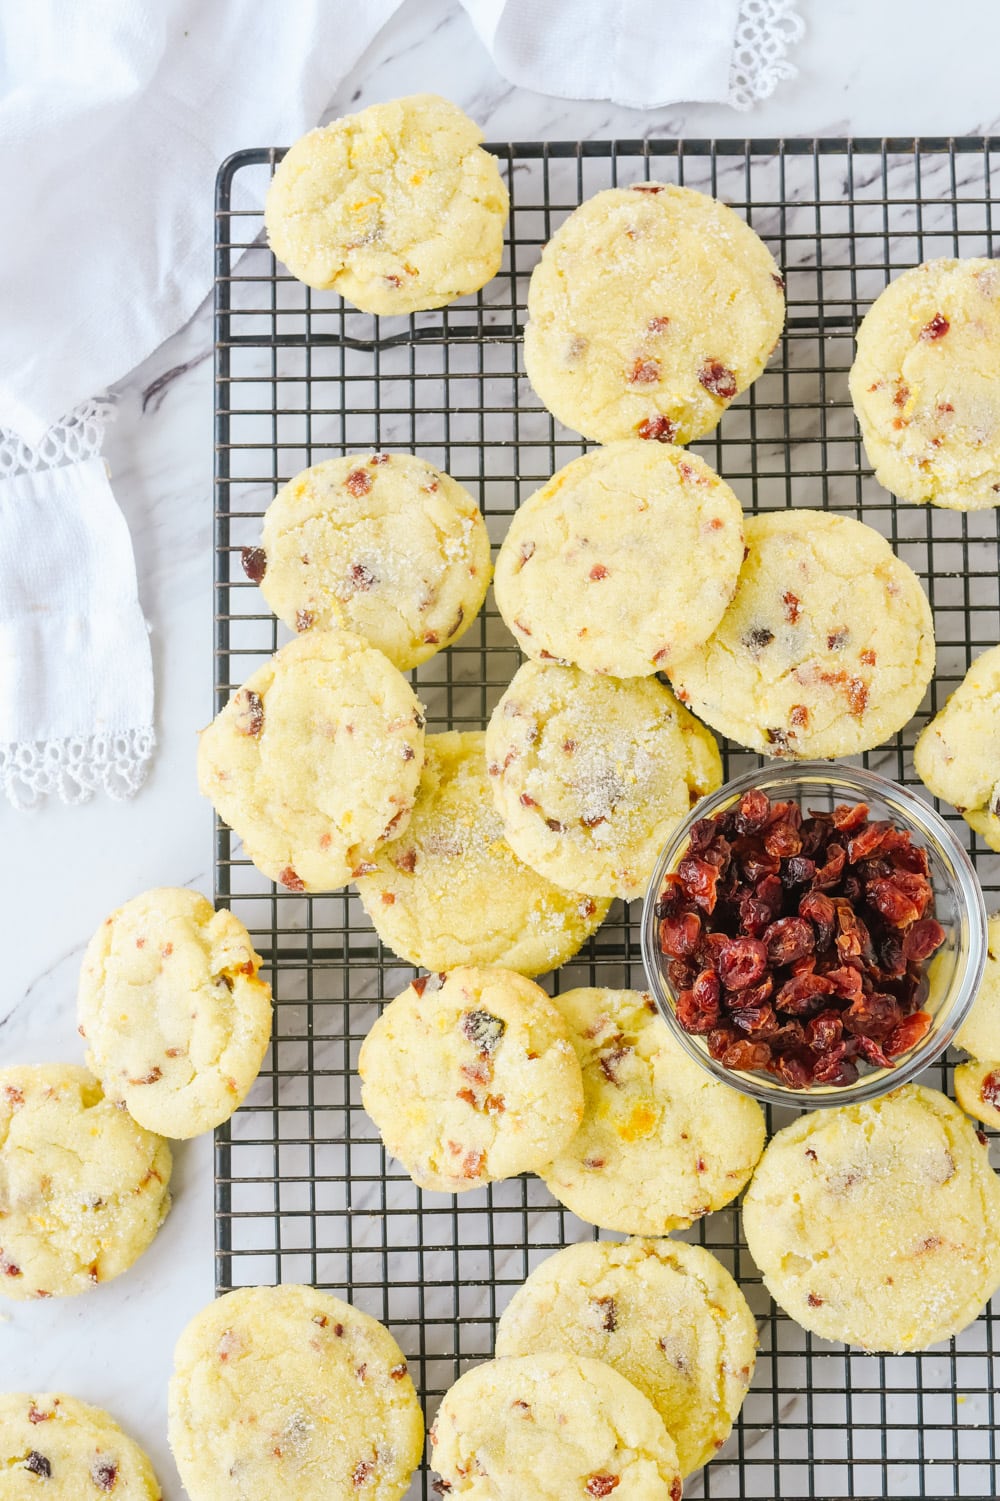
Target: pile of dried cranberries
(797,944)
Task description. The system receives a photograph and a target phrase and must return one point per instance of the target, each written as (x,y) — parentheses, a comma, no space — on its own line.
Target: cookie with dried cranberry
(83,1188)
(175,1016)
(66,1450)
(623,563)
(662,1143)
(552,1426)
(878,1224)
(926,384)
(471,1077)
(977,1090)
(665,1315)
(314,762)
(451,891)
(592,774)
(979,1034)
(396,207)
(286,1391)
(957,756)
(651,308)
(380,544)
(828,645)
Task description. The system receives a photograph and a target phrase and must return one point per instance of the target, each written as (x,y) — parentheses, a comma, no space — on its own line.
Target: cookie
(175,1018)
(315,761)
(662,1142)
(957,756)
(827,647)
(286,1391)
(977,1090)
(397,208)
(65,1450)
(979,1034)
(926,384)
(651,308)
(83,1188)
(471,1077)
(383,545)
(666,1316)
(451,891)
(591,775)
(623,563)
(878,1224)
(552,1426)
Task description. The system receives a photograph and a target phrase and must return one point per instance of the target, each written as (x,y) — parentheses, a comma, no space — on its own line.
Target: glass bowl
(953,975)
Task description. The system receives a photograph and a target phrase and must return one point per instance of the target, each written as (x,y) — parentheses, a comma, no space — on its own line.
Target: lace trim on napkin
(78,766)
(766,29)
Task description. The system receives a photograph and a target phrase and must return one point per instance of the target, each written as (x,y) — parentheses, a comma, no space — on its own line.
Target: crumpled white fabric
(114,118)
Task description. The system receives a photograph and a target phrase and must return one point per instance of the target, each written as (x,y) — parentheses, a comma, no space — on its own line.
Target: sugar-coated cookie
(592,774)
(878,1224)
(288,1392)
(83,1188)
(651,308)
(957,756)
(61,1449)
(977,1090)
(380,544)
(175,1016)
(665,1315)
(623,562)
(827,647)
(314,762)
(979,1034)
(471,1077)
(926,384)
(662,1142)
(397,207)
(551,1427)
(451,891)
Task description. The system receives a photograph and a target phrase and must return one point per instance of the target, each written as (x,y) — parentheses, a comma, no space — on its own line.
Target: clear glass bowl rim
(912,812)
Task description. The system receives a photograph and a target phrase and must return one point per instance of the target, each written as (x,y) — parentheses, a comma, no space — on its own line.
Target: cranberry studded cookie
(592,774)
(288,1392)
(383,545)
(957,756)
(65,1450)
(83,1188)
(314,762)
(552,1426)
(651,308)
(926,384)
(878,1224)
(175,1016)
(451,891)
(665,1315)
(471,1077)
(623,563)
(827,647)
(397,208)
(662,1143)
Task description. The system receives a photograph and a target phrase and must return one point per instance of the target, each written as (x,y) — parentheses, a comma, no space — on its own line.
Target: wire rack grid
(304,1191)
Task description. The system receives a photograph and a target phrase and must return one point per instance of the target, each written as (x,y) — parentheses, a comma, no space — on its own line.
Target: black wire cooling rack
(304,1191)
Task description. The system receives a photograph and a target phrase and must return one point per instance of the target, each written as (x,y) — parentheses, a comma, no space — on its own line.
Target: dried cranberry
(849,816)
(679,935)
(820,911)
(753,811)
(892,902)
(755,915)
(718,380)
(691,1016)
(483,1029)
(873,1053)
(254,560)
(908,1033)
(659,429)
(758,1021)
(249,707)
(922,940)
(935,329)
(788,939)
(104,1474)
(644,372)
(682,974)
(833,1067)
(824,1031)
(783,840)
(746,1055)
(37,1464)
(699,880)
(358,482)
(602,1485)
(803,994)
(791,1070)
(828,874)
(989,1090)
(742,962)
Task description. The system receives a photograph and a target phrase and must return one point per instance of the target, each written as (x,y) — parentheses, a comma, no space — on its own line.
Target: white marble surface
(865,68)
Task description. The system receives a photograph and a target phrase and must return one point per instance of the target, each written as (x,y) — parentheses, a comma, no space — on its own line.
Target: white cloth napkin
(113,120)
